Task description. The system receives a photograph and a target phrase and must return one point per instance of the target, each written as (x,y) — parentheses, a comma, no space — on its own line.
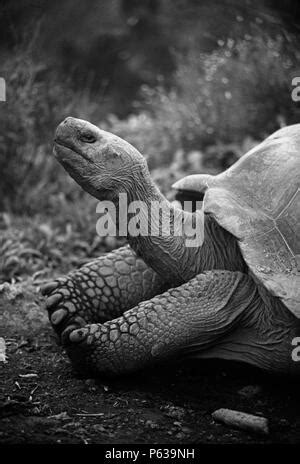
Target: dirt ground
(42,400)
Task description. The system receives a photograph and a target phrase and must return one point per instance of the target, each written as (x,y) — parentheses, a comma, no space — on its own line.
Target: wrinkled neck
(177,244)
(144,189)
(171,257)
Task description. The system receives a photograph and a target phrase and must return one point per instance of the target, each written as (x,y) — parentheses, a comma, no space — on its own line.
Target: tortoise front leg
(193,317)
(101,290)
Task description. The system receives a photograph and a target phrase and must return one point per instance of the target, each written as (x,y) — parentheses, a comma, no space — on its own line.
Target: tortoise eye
(88,138)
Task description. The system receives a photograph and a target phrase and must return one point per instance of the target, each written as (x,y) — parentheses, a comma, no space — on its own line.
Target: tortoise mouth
(61,143)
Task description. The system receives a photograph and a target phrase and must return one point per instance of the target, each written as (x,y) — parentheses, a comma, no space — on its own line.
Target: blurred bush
(37,100)
(239,91)
(220,104)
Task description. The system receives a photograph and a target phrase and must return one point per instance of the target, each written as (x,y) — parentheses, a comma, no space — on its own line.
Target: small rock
(242,420)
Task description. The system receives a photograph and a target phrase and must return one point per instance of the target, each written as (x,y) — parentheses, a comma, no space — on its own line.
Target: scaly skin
(162,327)
(101,290)
(216,314)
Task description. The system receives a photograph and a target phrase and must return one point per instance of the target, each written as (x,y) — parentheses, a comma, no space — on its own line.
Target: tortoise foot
(67,309)
(100,290)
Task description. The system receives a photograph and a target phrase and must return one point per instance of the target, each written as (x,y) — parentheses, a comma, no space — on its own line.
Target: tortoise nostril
(69,121)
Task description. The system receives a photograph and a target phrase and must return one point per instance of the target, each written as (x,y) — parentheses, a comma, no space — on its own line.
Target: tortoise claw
(77,336)
(58,316)
(65,336)
(48,287)
(53,300)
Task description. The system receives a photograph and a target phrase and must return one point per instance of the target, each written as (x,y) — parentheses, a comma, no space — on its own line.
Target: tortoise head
(102,163)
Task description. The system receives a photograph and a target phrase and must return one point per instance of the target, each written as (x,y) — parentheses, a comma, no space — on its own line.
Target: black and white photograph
(150,226)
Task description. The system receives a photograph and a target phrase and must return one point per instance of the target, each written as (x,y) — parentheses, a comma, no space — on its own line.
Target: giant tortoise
(236,295)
